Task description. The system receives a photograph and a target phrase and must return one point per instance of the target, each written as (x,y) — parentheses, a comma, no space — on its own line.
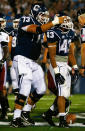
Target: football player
(28,49)
(13,37)
(81,19)
(60,43)
(4,57)
(12,45)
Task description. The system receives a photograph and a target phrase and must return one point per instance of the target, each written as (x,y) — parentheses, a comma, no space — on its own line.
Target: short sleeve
(51,36)
(24,21)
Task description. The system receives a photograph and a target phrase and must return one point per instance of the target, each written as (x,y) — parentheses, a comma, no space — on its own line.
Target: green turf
(77,106)
(78,103)
(41,129)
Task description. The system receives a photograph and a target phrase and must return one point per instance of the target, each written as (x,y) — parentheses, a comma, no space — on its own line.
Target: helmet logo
(36,7)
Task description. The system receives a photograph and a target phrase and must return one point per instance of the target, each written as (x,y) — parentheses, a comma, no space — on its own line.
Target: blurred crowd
(15,8)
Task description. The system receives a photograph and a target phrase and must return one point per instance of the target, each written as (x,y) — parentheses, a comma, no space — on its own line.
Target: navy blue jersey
(62,39)
(8,29)
(29,44)
(13,33)
(82,35)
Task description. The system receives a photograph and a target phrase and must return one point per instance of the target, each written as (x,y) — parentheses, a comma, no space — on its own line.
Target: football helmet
(67,24)
(15,23)
(2,23)
(40,13)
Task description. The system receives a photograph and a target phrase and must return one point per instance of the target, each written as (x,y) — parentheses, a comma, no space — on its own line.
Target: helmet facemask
(43,17)
(67,24)
(15,23)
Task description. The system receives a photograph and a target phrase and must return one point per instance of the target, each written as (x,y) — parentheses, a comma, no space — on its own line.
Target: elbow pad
(39,30)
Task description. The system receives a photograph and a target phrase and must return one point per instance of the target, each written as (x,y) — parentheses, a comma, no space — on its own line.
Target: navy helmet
(40,13)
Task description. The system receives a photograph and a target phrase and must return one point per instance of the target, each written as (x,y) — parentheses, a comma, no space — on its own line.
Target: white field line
(46,124)
(79,116)
(41,98)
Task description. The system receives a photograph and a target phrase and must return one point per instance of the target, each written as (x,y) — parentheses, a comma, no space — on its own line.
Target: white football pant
(64,69)
(28,74)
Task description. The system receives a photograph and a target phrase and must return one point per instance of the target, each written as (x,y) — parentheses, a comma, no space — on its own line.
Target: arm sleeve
(29,25)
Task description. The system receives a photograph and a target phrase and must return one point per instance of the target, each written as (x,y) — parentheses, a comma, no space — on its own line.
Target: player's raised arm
(41,14)
(43,28)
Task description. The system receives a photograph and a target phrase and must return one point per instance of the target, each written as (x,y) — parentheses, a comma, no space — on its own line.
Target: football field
(77,107)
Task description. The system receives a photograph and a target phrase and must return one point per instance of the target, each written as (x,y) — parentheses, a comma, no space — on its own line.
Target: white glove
(56,20)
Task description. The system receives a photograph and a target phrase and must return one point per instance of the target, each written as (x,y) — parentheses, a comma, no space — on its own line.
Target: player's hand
(59,78)
(74,75)
(59,20)
(15,91)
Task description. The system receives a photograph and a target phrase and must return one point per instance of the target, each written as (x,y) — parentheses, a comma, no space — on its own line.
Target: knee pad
(19,102)
(35,97)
